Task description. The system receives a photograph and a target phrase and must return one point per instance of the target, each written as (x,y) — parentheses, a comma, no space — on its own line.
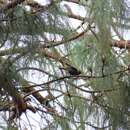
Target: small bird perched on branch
(71,70)
(66,63)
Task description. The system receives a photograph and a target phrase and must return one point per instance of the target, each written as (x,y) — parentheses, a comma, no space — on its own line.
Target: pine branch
(36,7)
(7,85)
(11,5)
(122,44)
(30,90)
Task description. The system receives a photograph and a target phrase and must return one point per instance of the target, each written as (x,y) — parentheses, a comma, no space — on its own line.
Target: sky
(33,75)
(75,23)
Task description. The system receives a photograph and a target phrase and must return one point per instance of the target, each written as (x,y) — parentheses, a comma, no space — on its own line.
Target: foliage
(40,48)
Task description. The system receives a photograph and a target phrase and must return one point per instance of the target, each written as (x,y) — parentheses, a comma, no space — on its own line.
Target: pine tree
(56,74)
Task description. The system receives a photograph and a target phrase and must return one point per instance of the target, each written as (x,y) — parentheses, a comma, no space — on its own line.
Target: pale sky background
(33,75)
(75,23)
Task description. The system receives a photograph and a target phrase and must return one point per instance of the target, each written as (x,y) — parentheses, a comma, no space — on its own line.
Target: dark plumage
(73,71)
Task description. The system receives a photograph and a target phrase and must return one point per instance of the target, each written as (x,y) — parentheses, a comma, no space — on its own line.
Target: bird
(71,70)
